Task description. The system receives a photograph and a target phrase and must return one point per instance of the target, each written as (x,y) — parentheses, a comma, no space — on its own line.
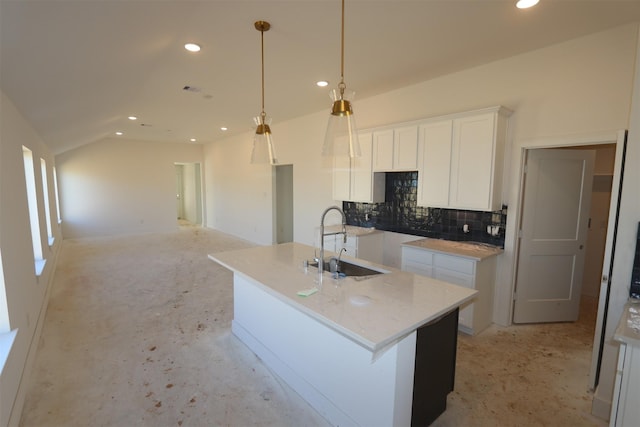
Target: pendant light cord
(342,86)
(262,114)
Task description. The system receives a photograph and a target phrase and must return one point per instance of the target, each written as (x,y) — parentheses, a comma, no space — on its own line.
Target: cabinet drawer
(417,256)
(417,268)
(455,277)
(461,265)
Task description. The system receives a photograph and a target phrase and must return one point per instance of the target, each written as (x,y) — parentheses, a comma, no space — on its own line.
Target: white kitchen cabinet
(434,163)
(395,149)
(367,246)
(383,150)
(470,273)
(477,154)
(466,174)
(353,178)
(624,408)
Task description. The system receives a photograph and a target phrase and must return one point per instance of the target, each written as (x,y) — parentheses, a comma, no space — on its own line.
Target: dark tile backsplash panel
(400,213)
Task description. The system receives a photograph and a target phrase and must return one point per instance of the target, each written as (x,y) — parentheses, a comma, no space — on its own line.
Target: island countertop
(395,303)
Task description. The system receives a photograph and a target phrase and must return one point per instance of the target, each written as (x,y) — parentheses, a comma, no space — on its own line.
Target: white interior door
(607,263)
(553,231)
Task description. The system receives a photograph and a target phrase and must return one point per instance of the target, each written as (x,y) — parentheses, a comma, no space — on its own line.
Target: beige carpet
(137,333)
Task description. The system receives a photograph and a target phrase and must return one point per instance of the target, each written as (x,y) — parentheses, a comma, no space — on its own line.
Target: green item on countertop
(307,292)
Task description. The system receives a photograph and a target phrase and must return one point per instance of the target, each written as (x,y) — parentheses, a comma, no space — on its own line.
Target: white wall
(580,87)
(26,294)
(121,186)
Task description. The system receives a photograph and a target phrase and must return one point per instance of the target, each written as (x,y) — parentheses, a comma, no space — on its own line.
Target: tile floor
(137,333)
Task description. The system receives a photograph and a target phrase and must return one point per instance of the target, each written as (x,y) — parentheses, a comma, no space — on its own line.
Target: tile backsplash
(400,213)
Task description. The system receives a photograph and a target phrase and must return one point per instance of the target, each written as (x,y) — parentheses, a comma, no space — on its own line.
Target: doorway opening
(603,212)
(188,193)
(283,204)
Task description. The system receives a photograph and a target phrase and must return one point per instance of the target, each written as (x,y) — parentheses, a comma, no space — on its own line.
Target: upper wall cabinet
(354,180)
(461,161)
(395,149)
(434,160)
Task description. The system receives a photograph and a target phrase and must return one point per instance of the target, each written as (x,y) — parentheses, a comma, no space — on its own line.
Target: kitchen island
(361,350)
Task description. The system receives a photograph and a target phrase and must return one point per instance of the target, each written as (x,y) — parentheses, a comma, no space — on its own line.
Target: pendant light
(263,148)
(341,138)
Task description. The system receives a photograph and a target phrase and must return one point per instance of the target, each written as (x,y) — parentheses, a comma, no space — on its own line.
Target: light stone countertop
(399,302)
(628,330)
(352,230)
(475,251)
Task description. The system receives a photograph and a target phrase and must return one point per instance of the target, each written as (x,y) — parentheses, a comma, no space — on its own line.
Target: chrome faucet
(334,263)
(322,234)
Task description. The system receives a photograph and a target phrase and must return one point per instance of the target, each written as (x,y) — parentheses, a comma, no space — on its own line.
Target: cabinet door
(405,148)
(383,150)
(330,243)
(417,261)
(353,179)
(351,246)
(472,162)
(370,247)
(434,164)
(467,312)
(341,178)
(361,174)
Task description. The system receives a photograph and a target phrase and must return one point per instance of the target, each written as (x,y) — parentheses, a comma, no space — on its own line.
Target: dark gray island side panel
(435,367)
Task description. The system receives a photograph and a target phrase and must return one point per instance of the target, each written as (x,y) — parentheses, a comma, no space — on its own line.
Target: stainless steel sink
(349,269)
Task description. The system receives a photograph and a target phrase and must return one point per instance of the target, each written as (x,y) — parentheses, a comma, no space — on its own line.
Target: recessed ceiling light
(192,47)
(525,4)
(322,83)
(133,118)
(223,128)
(192,140)
(119,133)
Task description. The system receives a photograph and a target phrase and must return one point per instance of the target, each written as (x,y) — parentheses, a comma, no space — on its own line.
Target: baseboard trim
(600,408)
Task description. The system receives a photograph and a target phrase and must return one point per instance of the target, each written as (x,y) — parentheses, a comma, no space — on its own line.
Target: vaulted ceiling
(76,69)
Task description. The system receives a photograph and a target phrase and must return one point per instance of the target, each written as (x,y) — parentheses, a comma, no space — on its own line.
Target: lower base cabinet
(368,247)
(475,274)
(625,410)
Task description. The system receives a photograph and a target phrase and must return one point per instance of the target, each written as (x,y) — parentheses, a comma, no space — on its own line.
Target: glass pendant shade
(263,149)
(341,138)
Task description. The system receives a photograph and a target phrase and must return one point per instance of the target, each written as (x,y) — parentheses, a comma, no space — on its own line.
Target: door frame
(515,217)
(197,182)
